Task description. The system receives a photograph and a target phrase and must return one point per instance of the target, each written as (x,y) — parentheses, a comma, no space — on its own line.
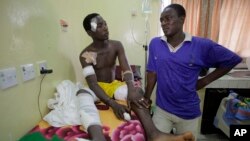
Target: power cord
(39,93)
(43,72)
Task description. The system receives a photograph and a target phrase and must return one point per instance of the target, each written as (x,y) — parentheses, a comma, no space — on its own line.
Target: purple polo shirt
(178,72)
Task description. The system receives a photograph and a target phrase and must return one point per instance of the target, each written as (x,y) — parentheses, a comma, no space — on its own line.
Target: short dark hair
(87,20)
(178,8)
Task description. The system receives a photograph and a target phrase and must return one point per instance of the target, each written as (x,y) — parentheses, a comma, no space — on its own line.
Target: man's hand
(118,109)
(136,97)
(214,75)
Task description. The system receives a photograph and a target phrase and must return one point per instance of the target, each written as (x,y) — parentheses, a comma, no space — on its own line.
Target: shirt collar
(188,37)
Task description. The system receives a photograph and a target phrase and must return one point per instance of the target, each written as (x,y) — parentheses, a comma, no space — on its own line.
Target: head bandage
(93,24)
(88,70)
(128,76)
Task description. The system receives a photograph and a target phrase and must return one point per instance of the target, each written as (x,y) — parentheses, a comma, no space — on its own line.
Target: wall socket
(42,65)
(43,69)
(8,78)
(28,72)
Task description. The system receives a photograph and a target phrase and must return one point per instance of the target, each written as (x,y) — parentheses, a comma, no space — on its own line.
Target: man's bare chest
(105,59)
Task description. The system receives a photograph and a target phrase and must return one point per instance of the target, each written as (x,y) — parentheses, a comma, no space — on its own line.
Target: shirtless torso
(106,56)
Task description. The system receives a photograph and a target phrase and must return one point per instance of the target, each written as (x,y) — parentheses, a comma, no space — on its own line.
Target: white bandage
(127,71)
(90,57)
(126,77)
(88,70)
(93,24)
(89,114)
(126,116)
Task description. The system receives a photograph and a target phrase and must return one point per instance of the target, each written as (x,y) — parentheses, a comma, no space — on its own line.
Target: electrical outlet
(43,69)
(28,72)
(42,65)
(8,78)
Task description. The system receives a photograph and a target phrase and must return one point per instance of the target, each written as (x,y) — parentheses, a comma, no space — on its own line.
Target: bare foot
(188,136)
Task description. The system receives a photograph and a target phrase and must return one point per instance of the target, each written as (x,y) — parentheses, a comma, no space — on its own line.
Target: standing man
(98,61)
(175,61)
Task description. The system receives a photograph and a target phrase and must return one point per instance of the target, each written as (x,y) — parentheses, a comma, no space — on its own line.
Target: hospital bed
(113,128)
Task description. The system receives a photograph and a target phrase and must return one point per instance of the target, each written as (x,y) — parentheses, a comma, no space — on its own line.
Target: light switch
(8,78)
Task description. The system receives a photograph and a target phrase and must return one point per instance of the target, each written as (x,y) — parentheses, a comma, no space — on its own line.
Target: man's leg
(188,125)
(162,120)
(96,133)
(89,115)
(152,133)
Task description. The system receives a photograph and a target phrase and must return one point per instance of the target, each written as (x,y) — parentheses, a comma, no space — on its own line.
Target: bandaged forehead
(93,24)
(90,57)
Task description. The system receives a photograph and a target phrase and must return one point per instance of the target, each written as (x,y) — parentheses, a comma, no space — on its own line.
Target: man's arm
(91,79)
(220,57)
(134,94)
(90,76)
(151,81)
(216,74)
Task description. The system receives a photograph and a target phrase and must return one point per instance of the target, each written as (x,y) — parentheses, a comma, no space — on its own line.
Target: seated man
(98,61)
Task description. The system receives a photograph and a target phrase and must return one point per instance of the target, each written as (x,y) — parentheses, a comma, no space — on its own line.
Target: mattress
(113,129)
